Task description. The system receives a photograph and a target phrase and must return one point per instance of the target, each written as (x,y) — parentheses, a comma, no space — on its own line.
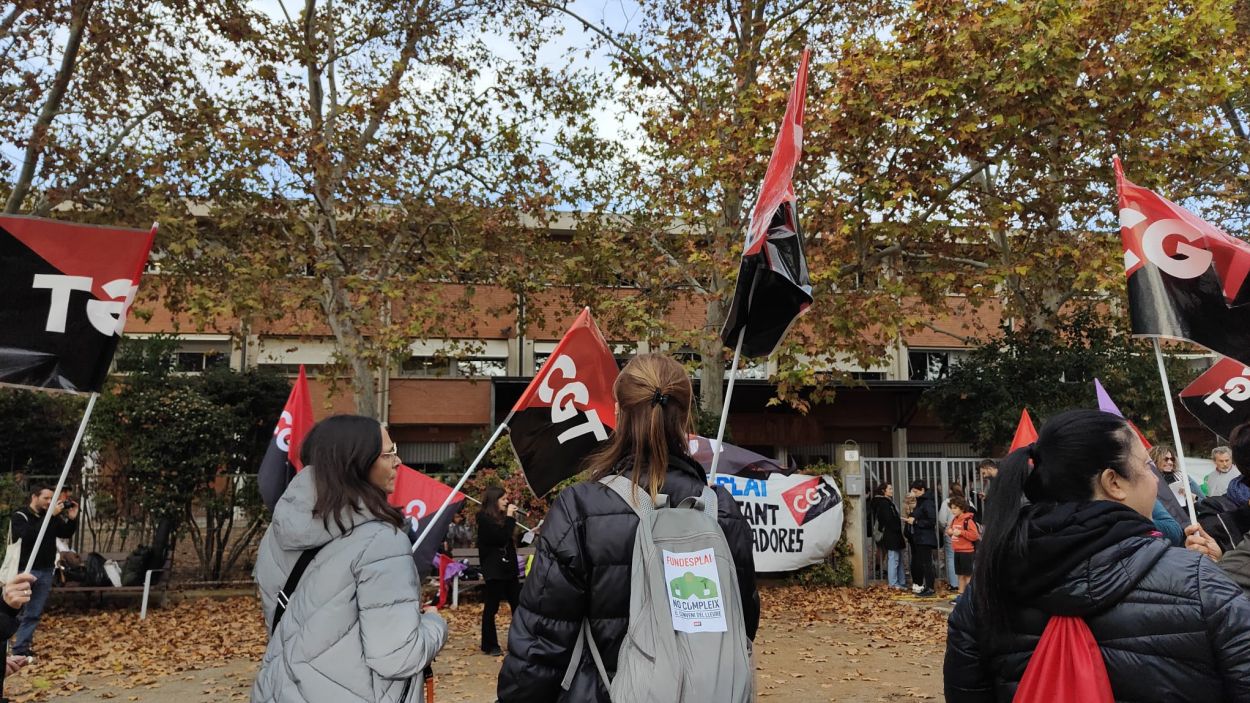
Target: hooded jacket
(884,514)
(582,570)
(353,631)
(1170,625)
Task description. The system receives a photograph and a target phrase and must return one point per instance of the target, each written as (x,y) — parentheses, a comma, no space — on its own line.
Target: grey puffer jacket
(354,631)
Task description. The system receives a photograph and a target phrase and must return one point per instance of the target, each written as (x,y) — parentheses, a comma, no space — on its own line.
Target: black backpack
(137,564)
(94,574)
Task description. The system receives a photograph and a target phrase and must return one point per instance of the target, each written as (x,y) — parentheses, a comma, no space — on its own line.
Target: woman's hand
(1199,541)
(512,508)
(909,520)
(17,591)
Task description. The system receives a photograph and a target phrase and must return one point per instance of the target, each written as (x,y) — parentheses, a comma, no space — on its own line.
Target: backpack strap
(585,638)
(633,495)
(292,580)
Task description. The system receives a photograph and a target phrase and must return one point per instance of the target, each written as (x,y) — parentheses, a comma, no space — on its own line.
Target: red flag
(1218,397)
(1186,278)
(1025,432)
(567,410)
(282,459)
(418,497)
(66,291)
(773,287)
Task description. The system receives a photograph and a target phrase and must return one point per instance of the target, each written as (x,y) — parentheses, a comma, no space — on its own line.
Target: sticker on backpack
(694,591)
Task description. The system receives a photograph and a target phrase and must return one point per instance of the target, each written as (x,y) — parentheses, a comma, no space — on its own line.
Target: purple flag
(1105,403)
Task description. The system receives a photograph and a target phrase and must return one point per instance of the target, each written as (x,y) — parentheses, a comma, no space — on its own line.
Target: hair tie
(659,399)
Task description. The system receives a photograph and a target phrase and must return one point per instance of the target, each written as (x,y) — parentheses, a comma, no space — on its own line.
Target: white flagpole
(69,460)
(724,412)
(472,467)
(1176,434)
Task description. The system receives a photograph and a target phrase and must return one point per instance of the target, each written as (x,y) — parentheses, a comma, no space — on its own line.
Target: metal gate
(938,474)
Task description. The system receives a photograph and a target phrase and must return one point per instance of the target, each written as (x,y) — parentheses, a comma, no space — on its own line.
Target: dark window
(928,365)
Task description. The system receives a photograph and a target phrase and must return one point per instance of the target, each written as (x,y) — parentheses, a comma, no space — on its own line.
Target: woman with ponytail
(1069,534)
(582,564)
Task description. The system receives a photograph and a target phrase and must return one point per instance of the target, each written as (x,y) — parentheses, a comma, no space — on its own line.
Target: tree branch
(971,341)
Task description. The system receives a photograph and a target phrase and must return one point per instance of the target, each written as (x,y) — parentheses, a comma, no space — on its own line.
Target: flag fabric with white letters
(64,295)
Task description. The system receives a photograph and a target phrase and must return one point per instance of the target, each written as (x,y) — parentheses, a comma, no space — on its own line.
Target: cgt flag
(66,290)
(418,496)
(1218,397)
(1186,278)
(567,410)
(773,284)
(282,458)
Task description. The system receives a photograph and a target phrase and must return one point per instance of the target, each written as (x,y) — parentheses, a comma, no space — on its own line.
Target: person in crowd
(887,531)
(923,523)
(944,518)
(1072,536)
(1235,561)
(16,594)
(1216,482)
(988,468)
(496,546)
(351,627)
(1166,524)
(25,524)
(459,533)
(963,535)
(583,563)
(1165,459)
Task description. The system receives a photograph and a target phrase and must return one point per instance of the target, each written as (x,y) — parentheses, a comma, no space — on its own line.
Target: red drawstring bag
(1066,666)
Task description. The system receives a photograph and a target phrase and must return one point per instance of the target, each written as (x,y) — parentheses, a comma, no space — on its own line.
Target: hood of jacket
(1085,557)
(296,528)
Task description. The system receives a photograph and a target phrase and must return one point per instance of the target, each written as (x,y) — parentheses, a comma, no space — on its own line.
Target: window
(928,365)
(291,370)
(868,375)
(540,358)
(426,367)
(482,367)
(200,361)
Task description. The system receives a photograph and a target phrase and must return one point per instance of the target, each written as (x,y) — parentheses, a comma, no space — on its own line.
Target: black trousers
(497,591)
(922,565)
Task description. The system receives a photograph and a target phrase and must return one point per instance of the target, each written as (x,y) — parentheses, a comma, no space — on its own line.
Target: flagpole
(472,467)
(1176,433)
(724,412)
(60,484)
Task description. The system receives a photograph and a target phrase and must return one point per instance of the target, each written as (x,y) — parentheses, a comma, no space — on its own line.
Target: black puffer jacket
(884,513)
(496,547)
(582,570)
(1170,625)
(924,529)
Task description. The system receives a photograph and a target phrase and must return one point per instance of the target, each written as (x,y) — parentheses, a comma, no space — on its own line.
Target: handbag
(12,555)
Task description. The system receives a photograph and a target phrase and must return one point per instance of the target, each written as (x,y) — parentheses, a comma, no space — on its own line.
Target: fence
(938,474)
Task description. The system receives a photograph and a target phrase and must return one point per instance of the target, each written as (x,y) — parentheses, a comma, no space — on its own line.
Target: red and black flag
(282,458)
(773,284)
(1186,278)
(568,408)
(1218,398)
(418,497)
(734,460)
(66,290)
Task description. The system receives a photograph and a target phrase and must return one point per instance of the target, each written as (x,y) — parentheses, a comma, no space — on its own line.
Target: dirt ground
(813,645)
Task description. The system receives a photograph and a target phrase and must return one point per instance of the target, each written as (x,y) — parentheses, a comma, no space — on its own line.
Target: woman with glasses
(349,626)
(1165,459)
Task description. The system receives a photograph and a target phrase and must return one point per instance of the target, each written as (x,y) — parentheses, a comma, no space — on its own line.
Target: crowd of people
(1069,529)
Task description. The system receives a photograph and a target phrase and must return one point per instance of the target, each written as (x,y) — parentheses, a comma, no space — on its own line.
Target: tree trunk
(711,358)
(39,133)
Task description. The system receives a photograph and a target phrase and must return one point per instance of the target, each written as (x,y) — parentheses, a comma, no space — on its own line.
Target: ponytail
(1074,447)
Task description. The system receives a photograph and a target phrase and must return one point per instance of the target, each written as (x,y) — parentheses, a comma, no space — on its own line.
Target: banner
(773,286)
(65,293)
(1218,397)
(282,459)
(795,520)
(567,410)
(418,496)
(1186,278)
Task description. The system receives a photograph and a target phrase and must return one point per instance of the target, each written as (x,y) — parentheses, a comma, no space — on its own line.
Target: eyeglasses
(1169,458)
(392,453)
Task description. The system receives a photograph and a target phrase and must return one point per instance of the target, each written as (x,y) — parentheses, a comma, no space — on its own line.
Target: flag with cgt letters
(65,293)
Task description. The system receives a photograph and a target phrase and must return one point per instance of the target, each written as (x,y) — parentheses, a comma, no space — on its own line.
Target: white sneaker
(916,588)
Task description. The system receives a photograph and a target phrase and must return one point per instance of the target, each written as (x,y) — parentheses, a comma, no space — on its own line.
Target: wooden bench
(144,591)
(471,556)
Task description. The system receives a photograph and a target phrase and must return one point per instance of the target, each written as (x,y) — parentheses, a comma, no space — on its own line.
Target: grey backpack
(687,640)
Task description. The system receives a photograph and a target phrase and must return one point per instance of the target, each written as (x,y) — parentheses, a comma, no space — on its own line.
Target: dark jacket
(884,513)
(1226,520)
(1170,625)
(25,525)
(582,570)
(924,529)
(496,547)
(1236,564)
